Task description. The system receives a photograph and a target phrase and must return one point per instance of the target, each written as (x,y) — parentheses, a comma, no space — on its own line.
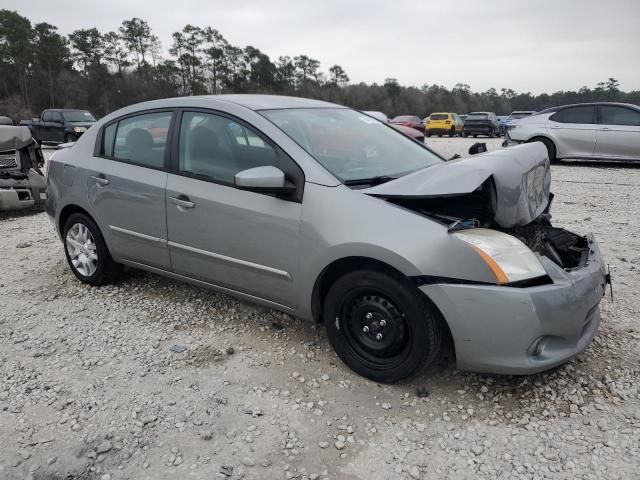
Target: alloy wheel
(82,249)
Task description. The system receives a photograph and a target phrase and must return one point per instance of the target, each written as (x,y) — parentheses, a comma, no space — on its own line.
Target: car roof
(589,104)
(270,102)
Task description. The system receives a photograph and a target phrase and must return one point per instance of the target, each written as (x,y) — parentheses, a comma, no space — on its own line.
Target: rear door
(574,131)
(236,239)
(126,181)
(618,133)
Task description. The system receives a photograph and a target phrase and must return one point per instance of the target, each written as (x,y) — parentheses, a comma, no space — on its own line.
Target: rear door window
(141,139)
(614,115)
(581,114)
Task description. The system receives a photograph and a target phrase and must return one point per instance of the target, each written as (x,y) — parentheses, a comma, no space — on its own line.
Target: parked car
(57,126)
(481,123)
(602,130)
(318,212)
(411,121)
(6,121)
(408,131)
(443,123)
(22,183)
(463,117)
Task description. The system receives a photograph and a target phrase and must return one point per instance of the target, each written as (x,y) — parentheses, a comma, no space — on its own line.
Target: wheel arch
(69,210)
(537,137)
(344,265)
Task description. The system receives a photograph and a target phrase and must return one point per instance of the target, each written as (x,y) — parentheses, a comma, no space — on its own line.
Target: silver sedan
(328,214)
(588,131)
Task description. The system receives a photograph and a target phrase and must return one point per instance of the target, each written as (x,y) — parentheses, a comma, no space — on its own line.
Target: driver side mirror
(264,180)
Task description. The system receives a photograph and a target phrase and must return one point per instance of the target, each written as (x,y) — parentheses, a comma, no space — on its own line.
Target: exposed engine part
(565,248)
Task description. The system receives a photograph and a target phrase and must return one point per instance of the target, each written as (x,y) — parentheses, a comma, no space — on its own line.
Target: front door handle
(605,128)
(100,179)
(555,126)
(182,201)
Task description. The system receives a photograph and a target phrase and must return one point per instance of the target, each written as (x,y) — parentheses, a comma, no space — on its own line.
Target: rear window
(477,116)
(439,116)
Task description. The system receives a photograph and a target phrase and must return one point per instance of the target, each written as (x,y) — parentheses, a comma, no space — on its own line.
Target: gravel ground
(156,379)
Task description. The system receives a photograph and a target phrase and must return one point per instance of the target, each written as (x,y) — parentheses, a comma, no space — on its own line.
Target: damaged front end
(22,183)
(506,191)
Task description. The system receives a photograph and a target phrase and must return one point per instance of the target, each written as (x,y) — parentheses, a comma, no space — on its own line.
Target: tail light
(428,121)
(447,122)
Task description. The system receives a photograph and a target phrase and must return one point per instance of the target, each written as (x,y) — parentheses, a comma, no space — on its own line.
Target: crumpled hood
(521,175)
(14,138)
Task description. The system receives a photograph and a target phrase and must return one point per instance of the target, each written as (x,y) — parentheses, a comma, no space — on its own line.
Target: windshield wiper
(370,181)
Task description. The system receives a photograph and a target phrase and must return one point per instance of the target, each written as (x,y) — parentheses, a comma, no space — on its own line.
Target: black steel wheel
(380,325)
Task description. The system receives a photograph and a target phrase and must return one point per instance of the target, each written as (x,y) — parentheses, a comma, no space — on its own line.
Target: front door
(618,133)
(126,188)
(574,131)
(241,240)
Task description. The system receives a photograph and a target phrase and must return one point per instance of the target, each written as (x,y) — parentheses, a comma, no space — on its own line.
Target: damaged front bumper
(510,330)
(21,193)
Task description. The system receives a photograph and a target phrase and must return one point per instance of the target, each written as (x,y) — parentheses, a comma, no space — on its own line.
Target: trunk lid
(520,175)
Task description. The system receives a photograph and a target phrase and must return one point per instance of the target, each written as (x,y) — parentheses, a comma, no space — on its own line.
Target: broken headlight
(508,258)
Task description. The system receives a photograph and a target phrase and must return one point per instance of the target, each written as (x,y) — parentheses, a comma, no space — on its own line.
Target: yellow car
(443,123)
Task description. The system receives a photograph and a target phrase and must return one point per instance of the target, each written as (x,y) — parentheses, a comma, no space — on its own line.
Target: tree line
(103,71)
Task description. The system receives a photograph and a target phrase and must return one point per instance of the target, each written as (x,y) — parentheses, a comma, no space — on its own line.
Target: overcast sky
(536,45)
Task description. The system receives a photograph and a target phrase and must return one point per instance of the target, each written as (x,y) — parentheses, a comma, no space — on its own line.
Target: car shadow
(597,163)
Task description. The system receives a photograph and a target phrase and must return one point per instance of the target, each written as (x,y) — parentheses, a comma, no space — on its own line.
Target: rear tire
(355,308)
(87,253)
(551,148)
(452,132)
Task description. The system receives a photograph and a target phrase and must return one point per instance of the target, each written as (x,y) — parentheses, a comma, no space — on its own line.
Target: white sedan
(599,131)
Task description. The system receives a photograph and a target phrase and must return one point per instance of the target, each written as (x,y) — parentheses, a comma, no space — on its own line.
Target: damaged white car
(22,182)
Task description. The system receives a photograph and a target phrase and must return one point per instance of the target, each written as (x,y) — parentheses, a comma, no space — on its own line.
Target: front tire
(381,326)
(87,253)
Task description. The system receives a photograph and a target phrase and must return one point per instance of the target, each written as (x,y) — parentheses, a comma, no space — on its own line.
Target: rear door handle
(182,201)
(605,128)
(100,179)
(555,126)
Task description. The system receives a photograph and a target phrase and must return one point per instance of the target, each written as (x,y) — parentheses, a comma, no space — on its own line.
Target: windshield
(78,116)
(351,145)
